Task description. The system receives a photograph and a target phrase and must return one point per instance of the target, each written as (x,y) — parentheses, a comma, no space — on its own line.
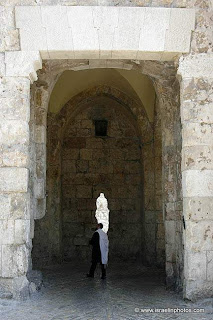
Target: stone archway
(57,125)
(26,140)
(164,77)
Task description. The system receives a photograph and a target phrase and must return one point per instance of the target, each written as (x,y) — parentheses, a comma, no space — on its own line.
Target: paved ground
(68,295)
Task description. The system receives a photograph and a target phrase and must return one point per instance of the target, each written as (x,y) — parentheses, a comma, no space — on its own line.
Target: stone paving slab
(68,295)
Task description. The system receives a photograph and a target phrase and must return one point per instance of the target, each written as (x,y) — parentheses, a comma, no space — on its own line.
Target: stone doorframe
(104,33)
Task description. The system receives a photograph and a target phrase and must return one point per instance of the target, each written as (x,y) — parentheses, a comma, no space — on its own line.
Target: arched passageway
(125,163)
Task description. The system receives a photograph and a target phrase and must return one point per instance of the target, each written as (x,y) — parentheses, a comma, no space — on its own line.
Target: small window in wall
(101,128)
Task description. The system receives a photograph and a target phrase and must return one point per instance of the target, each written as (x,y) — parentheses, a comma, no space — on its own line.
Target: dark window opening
(101,128)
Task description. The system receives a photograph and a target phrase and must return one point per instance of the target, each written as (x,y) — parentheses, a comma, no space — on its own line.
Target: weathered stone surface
(14,87)
(9,36)
(170,232)
(2,65)
(195,268)
(209,265)
(7,231)
(197,158)
(197,66)
(22,231)
(13,180)
(14,260)
(16,60)
(146,38)
(194,290)
(14,206)
(39,189)
(197,134)
(205,240)
(14,156)
(15,109)
(14,132)
(197,183)
(40,134)
(198,208)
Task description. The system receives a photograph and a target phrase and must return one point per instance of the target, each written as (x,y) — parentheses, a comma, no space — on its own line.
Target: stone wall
(19,154)
(133,204)
(92,164)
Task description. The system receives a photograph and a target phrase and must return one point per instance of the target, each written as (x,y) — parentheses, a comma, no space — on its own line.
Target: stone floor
(67,294)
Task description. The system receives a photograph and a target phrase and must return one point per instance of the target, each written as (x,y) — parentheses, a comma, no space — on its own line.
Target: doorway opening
(104,134)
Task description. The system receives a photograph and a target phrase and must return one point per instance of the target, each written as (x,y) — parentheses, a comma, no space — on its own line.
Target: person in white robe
(100,251)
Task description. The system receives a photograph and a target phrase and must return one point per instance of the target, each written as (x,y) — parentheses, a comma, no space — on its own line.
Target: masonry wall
(197,137)
(111,164)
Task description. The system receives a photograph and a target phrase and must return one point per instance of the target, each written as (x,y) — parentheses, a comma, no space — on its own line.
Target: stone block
(86,154)
(88,124)
(2,65)
(209,265)
(4,206)
(51,14)
(105,29)
(22,231)
(160,231)
(14,206)
(83,132)
(199,236)
(197,134)
(70,192)
(150,238)
(14,156)
(170,232)
(6,17)
(23,64)
(195,268)
(80,240)
(96,31)
(28,16)
(132,154)
(14,179)
(20,206)
(15,87)
(198,208)
(7,231)
(197,157)
(14,132)
(40,208)
(133,179)
(15,109)
(40,134)
(153,32)
(150,217)
(39,188)
(14,260)
(85,36)
(178,39)
(196,93)
(128,44)
(196,66)
(83,192)
(60,42)
(199,289)
(198,111)
(170,252)
(82,166)
(197,183)
(34,39)
(9,40)
(70,154)
(68,166)
(73,143)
